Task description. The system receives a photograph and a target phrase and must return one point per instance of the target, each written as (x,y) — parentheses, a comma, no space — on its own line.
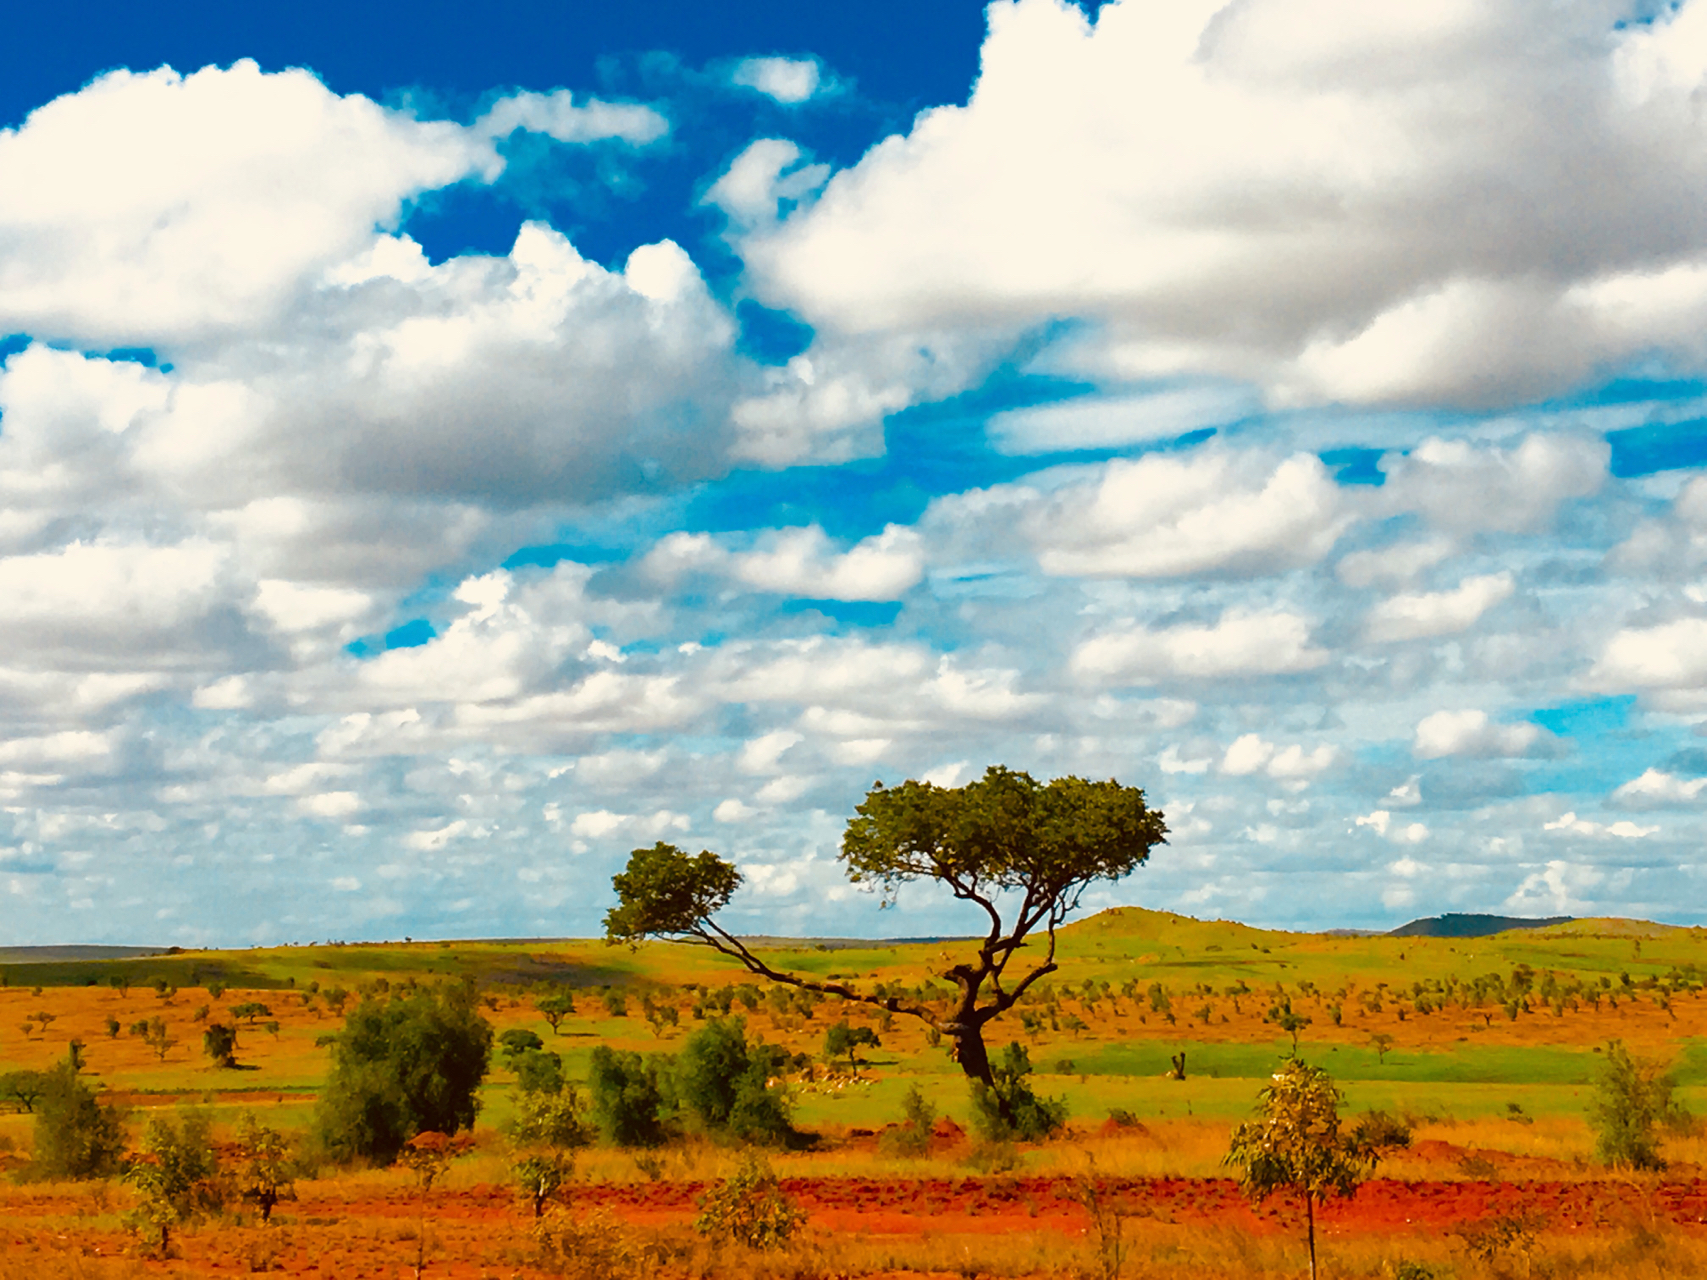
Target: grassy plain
(1497,1094)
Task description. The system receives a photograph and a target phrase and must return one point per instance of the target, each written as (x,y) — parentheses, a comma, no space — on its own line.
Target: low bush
(912,1137)
(1632,1100)
(1009,1109)
(750,1208)
(1381,1131)
(549,1120)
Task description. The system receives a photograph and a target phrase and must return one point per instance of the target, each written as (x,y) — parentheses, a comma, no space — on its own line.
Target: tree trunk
(967,1028)
(970,1053)
(1310,1218)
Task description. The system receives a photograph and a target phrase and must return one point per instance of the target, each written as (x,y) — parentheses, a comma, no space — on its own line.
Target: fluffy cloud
(155,206)
(1666,662)
(1424,614)
(800,562)
(1464,487)
(1380,821)
(1471,733)
(788,80)
(1238,644)
(1304,166)
(1570,824)
(1398,563)
(1105,422)
(1253,754)
(253,606)
(1165,516)
(1658,789)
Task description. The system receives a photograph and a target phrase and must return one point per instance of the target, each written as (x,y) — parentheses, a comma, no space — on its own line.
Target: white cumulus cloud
(1421,615)
(1337,201)
(1472,733)
(152,205)
(1240,643)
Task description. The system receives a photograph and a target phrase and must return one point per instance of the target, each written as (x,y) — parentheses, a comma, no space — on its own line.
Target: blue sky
(439,455)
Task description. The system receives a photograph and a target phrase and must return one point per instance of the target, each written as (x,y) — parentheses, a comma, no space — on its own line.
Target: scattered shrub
(403,1065)
(549,1120)
(1632,1099)
(597,1246)
(750,1208)
(627,1100)
(219,1042)
(541,1175)
(912,1137)
(1380,1131)
(75,1136)
(845,1041)
(176,1177)
(264,1177)
(1009,1110)
(721,1084)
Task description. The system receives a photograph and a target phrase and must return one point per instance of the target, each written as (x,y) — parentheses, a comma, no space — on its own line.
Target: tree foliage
(403,1065)
(845,1041)
(22,1088)
(1003,834)
(721,1084)
(1296,1143)
(555,1006)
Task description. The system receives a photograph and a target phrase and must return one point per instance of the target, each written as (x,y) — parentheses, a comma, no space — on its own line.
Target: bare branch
(728,944)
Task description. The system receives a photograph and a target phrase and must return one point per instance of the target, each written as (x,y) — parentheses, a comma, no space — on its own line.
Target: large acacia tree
(1021,851)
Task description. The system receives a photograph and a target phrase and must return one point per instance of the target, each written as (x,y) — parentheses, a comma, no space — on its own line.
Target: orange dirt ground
(482,1231)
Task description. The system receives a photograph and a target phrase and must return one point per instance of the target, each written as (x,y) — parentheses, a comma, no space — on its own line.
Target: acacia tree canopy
(1001,835)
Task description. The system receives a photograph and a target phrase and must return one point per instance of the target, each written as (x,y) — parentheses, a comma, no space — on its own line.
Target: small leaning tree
(1022,851)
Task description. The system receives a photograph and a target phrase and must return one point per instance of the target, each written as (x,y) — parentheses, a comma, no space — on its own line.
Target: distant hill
(38,955)
(1471,926)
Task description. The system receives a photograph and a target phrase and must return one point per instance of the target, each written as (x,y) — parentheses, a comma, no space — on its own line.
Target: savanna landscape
(1478,1059)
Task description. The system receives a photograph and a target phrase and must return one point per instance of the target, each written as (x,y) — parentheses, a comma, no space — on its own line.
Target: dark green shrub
(538,1071)
(554,1006)
(627,1100)
(219,1042)
(403,1065)
(516,1042)
(75,1136)
(549,1120)
(720,1084)
(1381,1130)
(844,1040)
(22,1088)
(1008,1109)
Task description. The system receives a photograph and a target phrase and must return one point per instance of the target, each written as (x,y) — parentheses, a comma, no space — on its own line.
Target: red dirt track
(363,1235)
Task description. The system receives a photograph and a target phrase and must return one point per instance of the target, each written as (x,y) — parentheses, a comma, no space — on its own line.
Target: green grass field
(1105,1050)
